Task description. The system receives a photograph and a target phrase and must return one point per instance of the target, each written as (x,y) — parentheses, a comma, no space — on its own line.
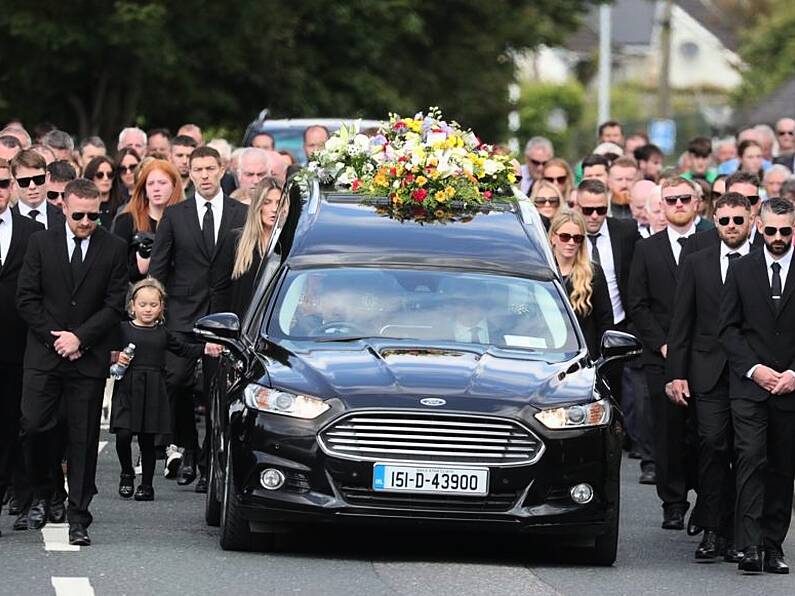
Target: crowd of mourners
(692,258)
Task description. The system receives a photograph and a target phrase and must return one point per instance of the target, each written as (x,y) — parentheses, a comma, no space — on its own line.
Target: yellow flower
(440,196)
(449,192)
(380,179)
(511,178)
(421,180)
(397,201)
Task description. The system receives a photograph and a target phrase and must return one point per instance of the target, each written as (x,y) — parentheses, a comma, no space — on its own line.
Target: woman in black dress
(252,242)
(584,281)
(158,186)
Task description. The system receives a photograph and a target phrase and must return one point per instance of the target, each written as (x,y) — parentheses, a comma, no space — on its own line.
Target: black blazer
(92,308)
(197,283)
(752,332)
(623,237)
(600,319)
(15,331)
(54,215)
(694,351)
(786,160)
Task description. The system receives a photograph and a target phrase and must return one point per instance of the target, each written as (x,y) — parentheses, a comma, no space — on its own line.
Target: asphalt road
(164,548)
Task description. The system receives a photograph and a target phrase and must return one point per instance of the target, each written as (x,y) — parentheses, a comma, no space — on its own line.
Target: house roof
(778,104)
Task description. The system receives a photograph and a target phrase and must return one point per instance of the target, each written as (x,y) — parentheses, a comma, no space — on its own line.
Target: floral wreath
(421,164)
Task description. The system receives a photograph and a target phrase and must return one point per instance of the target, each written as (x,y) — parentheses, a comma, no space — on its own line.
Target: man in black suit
(187,259)
(696,366)
(652,286)
(15,232)
(71,293)
(28,169)
(757,330)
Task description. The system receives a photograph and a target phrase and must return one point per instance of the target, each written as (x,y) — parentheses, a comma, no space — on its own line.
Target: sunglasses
(5,183)
(53,195)
(556,179)
(546,201)
(684,199)
(125,169)
(771,230)
(537,163)
(101,175)
(790,133)
(753,199)
(37,180)
(78,215)
(737,219)
(588,211)
(566,238)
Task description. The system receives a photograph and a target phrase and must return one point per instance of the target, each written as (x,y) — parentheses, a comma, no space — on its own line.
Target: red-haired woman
(158,187)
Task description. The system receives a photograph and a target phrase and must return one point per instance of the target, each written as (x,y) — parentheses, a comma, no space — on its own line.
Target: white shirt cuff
(751,370)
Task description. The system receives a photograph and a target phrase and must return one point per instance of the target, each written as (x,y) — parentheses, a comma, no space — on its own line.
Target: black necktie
(33,214)
(77,259)
(594,248)
(775,284)
(682,240)
(733,255)
(208,228)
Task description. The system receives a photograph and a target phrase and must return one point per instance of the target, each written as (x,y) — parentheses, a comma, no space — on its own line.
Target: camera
(143,243)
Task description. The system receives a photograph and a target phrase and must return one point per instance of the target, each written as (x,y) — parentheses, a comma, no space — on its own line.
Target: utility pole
(605,61)
(664,85)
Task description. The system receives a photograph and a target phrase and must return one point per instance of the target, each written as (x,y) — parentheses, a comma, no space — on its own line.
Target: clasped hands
(67,345)
(777,383)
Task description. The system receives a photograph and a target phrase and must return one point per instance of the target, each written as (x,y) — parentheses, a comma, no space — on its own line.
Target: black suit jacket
(197,283)
(54,215)
(15,331)
(91,308)
(694,350)
(623,237)
(786,160)
(752,331)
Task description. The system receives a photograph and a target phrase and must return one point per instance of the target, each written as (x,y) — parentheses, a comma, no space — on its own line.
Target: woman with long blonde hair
(252,241)
(584,281)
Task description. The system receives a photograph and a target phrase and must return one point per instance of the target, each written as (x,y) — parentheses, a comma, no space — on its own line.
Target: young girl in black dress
(140,403)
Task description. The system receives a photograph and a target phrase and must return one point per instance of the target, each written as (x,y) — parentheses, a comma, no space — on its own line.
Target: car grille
(432,438)
(363,496)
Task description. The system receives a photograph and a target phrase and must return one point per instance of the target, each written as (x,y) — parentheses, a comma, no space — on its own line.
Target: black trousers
(764,443)
(675,443)
(42,395)
(10,397)
(716,492)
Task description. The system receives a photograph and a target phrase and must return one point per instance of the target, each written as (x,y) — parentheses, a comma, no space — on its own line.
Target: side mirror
(220,328)
(617,345)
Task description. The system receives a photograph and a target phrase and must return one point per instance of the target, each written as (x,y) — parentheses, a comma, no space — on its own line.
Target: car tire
(605,546)
(235,530)
(212,506)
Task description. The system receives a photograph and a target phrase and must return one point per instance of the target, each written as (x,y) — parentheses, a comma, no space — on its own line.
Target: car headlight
(275,401)
(576,416)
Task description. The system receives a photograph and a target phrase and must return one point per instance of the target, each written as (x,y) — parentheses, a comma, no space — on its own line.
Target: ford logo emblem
(432,401)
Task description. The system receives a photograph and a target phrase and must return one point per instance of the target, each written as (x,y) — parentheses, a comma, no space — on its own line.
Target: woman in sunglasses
(101,171)
(558,172)
(548,199)
(584,281)
(126,161)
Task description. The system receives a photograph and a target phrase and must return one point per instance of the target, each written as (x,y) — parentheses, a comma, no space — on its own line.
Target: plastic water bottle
(117,370)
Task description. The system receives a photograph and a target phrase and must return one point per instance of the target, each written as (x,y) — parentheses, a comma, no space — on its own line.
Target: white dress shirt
(6,231)
(673,238)
(644,230)
(70,243)
(217,203)
(41,217)
(609,268)
(725,251)
(527,179)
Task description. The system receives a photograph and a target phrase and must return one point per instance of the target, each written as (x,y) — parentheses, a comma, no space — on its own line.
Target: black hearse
(410,370)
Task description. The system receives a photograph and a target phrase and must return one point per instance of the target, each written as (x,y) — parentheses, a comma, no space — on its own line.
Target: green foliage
(537,103)
(768,50)
(92,67)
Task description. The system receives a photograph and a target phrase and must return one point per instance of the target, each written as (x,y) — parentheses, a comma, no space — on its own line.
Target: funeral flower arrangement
(422,162)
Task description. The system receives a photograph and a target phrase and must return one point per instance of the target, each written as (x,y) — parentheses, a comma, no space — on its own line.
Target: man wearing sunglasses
(71,295)
(59,174)
(15,232)
(537,152)
(757,330)
(652,288)
(698,374)
(785,133)
(28,169)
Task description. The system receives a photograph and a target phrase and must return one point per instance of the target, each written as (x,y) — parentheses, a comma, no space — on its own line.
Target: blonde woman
(548,199)
(253,241)
(584,281)
(558,172)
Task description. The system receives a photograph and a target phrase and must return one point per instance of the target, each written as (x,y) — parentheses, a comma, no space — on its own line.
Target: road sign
(663,134)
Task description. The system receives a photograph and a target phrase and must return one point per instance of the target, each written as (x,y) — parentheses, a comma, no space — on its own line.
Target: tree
(93,67)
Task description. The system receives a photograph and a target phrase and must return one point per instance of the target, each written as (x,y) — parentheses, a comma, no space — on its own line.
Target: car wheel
(235,530)
(212,506)
(605,547)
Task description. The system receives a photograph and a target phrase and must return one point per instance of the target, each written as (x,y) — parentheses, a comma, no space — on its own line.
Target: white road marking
(101,446)
(56,538)
(72,586)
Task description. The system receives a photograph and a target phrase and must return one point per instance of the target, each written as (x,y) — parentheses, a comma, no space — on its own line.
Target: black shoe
(731,554)
(774,562)
(673,519)
(78,535)
(57,511)
(21,522)
(126,485)
(751,562)
(201,484)
(692,528)
(648,476)
(38,514)
(187,469)
(710,547)
(13,507)
(144,493)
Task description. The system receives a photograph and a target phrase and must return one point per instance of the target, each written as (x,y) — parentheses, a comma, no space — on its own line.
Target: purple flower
(378,140)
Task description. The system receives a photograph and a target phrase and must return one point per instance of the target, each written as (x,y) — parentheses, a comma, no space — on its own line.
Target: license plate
(430,480)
